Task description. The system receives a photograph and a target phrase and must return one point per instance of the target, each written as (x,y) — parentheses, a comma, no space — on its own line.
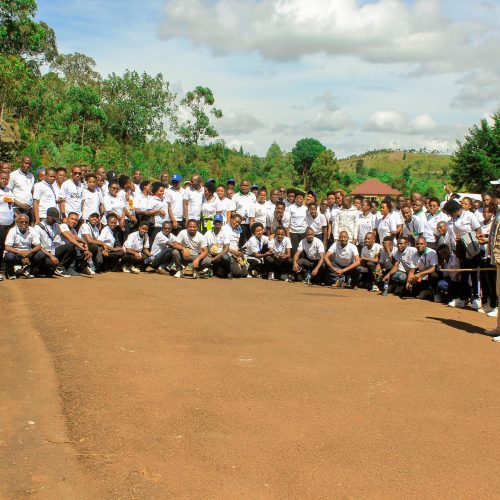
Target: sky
(357,75)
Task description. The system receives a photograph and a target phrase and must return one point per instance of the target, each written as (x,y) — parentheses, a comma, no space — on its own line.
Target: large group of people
(75,222)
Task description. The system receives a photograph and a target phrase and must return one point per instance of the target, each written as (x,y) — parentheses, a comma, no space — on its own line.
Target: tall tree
(136,106)
(324,172)
(477,159)
(21,35)
(76,69)
(197,129)
(304,153)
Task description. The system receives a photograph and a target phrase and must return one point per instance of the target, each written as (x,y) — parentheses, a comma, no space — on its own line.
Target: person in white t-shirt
(210,207)
(448,285)
(370,254)
(398,275)
(317,222)
(72,194)
(347,219)
(92,199)
(308,259)
(388,224)
(366,223)
(175,202)
(464,223)
(218,242)
(279,218)
(257,249)
(44,196)
(193,199)
(6,213)
(385,260)
(262,207)
(22,245)
(279,263)
(190,248)
(342,262)
(162,250)
(245,206)
(227,204)
(298,225)
(110,235)
(21,184)
(136,248)
(89,232)
(422,277)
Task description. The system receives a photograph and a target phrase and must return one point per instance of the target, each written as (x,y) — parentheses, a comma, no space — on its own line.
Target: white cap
(495,182)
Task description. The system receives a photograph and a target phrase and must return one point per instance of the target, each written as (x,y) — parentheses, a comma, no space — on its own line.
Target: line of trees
(70,114)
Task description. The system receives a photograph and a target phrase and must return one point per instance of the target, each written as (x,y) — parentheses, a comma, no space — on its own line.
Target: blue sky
(357,75)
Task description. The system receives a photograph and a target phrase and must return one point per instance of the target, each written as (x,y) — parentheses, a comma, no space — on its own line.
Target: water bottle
(342,281)
(386,289)
(308,278)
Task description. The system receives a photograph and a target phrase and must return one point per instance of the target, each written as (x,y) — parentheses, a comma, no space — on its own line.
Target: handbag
(470,245)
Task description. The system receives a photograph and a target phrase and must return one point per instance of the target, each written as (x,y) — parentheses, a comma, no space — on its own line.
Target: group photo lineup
(249,249)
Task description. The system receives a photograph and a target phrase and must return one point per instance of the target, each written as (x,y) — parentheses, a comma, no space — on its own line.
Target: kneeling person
(190,247)
(308,259)
(218,248)
(162,249)
(136,248)
(342,261)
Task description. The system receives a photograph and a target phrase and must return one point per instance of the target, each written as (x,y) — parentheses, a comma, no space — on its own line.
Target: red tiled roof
(374,187)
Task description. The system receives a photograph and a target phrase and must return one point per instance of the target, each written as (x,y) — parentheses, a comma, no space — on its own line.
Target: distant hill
(433,165)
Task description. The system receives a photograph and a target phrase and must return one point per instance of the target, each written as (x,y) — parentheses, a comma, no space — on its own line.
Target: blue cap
(176,177)
(218,218)
(231,181)
(255,187)
(211,180)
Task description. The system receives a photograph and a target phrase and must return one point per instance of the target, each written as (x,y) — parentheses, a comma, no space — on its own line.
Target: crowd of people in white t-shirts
(76,222)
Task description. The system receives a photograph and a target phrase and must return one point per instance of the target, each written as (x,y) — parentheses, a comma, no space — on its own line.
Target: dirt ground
(146,387)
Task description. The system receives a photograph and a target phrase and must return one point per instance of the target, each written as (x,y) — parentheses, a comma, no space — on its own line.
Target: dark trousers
(163,259)
(97,259)
(465,289)
(222,267)
(310,265)
(489,284)
(131,260)
(429,283)
(13,259)
(112,261)
(295,238)
(66,254)
(332,277)
(3,234)
(369,277)
(278,266)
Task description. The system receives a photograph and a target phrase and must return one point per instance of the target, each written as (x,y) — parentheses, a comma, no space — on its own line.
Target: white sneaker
(270,276)
(178,274)
(126,269)
(476,304)
(493,313)
(496,339)
(374,288)
(134,270)
(456,303)
(437,298)
(195,274)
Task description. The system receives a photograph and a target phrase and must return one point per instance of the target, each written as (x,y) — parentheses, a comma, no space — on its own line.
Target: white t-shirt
(72,195)
(210,208)
(255,246)
(245,206)
(425,261)
(195,201)
(280,246)
(21,241)
(298,214)
(316,224)
(216,242)
(261,211)
(371,253)
(161,242)
(404,258)
(113,204)
(233,235)
(6,208)
(174,198)
(227,205)
(107,236)
(195,243)
(91,203)
(344,256)
(312,250)
(155,203)
(466,223)
(87,228)
(21,186)
(387,225)
(46,196)
(434,220)
(366,224)
(137,242)
(47,235)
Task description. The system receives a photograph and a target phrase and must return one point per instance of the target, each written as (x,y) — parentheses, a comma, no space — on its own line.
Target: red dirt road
(149,387)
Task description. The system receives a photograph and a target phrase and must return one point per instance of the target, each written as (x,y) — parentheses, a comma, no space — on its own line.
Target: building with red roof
(373,188)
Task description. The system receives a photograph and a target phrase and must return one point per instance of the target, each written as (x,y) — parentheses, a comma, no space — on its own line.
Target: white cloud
(238,123)
(236,144)
(330,121)
(397,122)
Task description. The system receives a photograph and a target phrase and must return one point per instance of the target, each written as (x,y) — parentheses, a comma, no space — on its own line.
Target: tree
(76,69)
(477,160)
(304,153)
(198,128)
(136,106)
(21,35)
(360,167)
(323,172)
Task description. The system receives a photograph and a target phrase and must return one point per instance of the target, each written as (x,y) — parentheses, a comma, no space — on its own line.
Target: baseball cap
(187,182)
(231,181)
(54,213)
(176,178)
(211,180)
(218,218)
(255,187)
(495,182)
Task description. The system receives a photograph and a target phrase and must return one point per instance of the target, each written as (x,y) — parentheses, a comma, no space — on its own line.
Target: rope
(467,270)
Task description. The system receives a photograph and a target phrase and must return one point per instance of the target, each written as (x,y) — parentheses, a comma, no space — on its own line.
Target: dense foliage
(71,114)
